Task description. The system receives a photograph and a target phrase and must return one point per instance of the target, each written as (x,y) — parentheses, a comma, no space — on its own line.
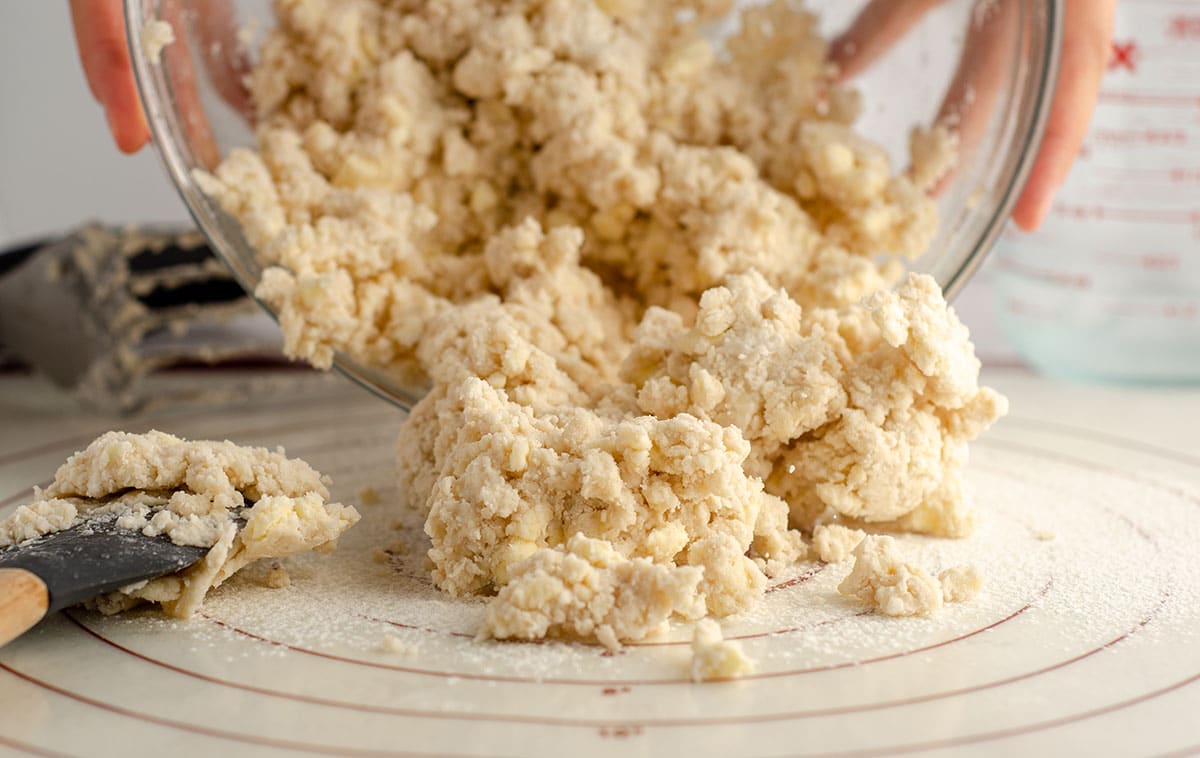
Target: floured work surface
(1085,628)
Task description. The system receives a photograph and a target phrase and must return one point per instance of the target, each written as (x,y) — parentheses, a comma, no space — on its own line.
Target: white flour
(1096,581)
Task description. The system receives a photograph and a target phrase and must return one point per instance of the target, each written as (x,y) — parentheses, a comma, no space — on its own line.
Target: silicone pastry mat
(1085,638)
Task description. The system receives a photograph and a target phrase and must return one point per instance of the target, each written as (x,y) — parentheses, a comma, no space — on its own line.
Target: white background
(57,165)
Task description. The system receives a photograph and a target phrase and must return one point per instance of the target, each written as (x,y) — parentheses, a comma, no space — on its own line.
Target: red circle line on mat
(183,726)
(795,581)
(628,682)
(28,749)
(591,723)
(965,739)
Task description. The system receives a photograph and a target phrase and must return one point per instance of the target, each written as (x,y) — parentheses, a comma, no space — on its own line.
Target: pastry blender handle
(24,601)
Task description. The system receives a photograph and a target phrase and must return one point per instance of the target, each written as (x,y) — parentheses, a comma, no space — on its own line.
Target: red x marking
(1124,55)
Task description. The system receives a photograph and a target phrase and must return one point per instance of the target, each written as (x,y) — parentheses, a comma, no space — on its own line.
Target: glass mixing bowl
(987,66)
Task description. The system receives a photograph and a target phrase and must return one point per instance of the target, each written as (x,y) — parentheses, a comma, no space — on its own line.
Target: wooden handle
(24,600)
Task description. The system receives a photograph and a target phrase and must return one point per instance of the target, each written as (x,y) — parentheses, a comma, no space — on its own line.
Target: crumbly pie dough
(882,579)
(714,657)
(195,493)
(834,543)
(641,279)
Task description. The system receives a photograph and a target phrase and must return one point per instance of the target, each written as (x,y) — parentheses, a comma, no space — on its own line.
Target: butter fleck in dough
(193,492)
(639,277)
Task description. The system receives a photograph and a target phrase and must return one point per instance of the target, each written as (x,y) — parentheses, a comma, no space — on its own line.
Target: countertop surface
(1084,640)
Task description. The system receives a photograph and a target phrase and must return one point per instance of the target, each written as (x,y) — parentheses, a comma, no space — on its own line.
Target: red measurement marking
(1182,174)
(1147,136)
(1124,55)
(1028,309)
(1184,27)
(1185,311)
(1135,215)
(1150,98)
(1145,261)
(1163,262)
(1060,277)
(620,731)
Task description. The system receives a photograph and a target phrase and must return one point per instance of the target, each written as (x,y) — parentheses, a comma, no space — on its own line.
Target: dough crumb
(379,555)
(881,579)
(43,516)
(156,34)
(368,496)
(1045,535)
(835,543)
(933,151)
(396,646)
(960,583)
(714,657)
(243,503)
(277,578)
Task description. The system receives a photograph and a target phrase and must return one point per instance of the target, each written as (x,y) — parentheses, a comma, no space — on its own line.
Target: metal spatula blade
(68,567)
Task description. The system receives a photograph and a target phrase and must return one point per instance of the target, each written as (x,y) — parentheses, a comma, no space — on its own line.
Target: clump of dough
(883,580)
(396,646)
(934,151)
(864,412)
(960,583)
(713,657)
(196,493)
(155,35)
(894,453)
(42,516)
(835,543)
(587,590)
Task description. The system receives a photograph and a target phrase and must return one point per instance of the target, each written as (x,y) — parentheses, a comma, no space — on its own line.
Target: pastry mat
(1087,635)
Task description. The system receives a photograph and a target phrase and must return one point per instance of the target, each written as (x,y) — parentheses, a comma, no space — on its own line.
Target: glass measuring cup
(1109,288)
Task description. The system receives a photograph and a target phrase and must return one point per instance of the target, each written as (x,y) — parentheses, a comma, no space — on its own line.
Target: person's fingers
(969,105)
(104,53)
(876,28)
(179,63)
(225,58)
(1086,47)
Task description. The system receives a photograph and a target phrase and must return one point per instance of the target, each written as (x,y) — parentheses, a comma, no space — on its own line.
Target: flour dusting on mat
(641,278)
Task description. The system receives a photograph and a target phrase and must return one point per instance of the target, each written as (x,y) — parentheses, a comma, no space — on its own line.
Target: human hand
(104,53)
(1086,46)
(100,35)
